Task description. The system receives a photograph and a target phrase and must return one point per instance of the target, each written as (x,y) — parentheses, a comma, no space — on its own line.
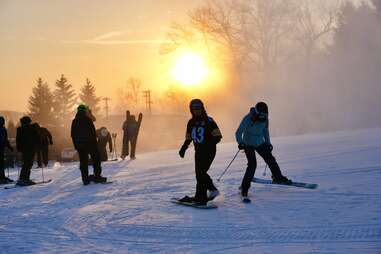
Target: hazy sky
(105,41)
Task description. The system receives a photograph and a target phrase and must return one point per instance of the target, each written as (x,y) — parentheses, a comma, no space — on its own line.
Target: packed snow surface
(134,214)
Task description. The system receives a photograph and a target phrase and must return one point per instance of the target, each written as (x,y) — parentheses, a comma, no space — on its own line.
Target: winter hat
(82,108)
(2,121)
(25,120)
(260,111)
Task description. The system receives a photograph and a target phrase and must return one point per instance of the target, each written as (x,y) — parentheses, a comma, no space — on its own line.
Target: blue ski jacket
(252,133)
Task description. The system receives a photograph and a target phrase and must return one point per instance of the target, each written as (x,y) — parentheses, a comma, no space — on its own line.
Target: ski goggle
(196,106)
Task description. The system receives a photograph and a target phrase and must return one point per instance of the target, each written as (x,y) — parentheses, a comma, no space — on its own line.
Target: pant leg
(208,162)
(203,160)
(133,147)
(270,160)
(45,155)
(28,158)
(84,163)
(250,170)
(2,167)
(95,157)
(125,149)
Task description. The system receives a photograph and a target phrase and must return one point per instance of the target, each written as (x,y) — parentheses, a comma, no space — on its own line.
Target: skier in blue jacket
(253,136)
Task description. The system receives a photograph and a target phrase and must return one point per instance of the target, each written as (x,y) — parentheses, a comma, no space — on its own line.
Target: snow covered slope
(134,215)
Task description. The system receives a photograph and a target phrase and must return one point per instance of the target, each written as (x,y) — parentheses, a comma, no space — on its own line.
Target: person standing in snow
(104,137)
(253,136)
(4,143)
(205,134)
(84,138)
(27,141)
(126,136)
(46,139)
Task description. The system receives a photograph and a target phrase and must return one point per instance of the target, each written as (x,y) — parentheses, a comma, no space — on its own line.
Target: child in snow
(205,134)
(253,136)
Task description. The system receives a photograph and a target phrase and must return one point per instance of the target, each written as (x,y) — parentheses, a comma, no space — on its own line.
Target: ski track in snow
(134,215)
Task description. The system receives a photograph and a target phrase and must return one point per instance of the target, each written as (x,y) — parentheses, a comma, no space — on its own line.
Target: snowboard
(208,205)
(36,183)
(294,184)
(140,118)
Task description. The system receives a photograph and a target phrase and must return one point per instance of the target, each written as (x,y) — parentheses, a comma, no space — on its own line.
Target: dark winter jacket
(46,137)
(4,142)
(83,131)
(204,133)
(104,137)
(27,138)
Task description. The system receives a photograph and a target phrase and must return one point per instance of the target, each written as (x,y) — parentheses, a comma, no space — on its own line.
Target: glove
(270,147)
(241,146)
(182,151)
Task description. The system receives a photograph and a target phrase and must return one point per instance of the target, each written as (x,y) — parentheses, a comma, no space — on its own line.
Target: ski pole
(264,172)
(223,173)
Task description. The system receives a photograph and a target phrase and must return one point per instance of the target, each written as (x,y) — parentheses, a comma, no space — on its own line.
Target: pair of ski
(247,200)
(15,185)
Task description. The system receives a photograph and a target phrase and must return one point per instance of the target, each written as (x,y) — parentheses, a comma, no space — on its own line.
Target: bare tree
(134,85)
(316,19)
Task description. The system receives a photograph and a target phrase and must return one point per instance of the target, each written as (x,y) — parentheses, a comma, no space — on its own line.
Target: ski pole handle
(223,173)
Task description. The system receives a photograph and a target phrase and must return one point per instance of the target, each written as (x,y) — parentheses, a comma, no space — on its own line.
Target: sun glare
(189,69)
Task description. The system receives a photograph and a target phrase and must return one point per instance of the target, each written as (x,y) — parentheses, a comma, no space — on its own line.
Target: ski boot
(99,179)
(281,180)
(213,194)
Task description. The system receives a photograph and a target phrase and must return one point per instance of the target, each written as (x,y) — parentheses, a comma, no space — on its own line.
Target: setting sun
(189,69)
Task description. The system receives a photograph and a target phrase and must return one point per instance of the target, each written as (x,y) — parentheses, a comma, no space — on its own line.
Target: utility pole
(147,96)
(106,99)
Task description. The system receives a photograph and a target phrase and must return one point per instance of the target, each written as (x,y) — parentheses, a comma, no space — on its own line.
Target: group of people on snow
(32,141)
(252,137)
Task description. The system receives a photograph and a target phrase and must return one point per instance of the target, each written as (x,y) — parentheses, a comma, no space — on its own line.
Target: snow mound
(134,215)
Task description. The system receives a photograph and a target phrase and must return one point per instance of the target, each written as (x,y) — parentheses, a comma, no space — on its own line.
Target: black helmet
(25,120)
(196,104)
(261,107)
(260,111)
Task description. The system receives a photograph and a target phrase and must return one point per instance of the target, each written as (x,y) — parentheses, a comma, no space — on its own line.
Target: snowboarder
(27,140)
(46,139)
(104,137)
(205,134)
(253,136)
(84,139)
(4,143)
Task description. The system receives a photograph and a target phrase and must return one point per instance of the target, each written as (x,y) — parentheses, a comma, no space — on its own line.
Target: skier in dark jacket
(46,139)
(84,139)
(205,134)
(27,141)
(104,137)
(4,143)
(253,136)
